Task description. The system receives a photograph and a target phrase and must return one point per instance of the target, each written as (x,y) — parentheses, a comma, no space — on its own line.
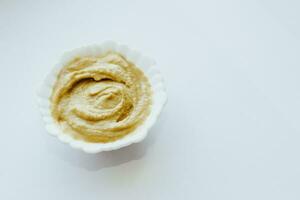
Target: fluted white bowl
(147,65)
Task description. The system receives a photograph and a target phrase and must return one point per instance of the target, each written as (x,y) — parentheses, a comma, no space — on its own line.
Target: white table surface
(230,129)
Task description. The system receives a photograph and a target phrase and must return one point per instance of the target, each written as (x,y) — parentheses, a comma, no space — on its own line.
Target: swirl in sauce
(100,99)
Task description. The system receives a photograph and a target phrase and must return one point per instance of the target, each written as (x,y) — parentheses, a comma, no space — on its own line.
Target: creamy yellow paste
(100,99)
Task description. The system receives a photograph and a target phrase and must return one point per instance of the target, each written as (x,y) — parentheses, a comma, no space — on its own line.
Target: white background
(230,129)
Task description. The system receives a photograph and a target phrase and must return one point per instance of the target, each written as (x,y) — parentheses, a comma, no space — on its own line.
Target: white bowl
(159,97)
